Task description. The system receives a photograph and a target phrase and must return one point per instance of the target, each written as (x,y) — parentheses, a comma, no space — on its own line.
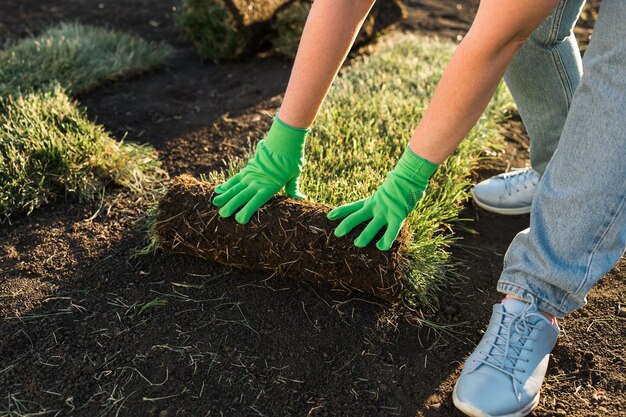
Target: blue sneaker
(510,193)
(503,377)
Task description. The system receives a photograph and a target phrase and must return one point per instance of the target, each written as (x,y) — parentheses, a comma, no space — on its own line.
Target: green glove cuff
(285,140)
(415,168)
(415,171)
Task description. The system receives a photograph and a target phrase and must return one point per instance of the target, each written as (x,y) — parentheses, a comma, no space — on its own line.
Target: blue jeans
(542,78)
(577,227)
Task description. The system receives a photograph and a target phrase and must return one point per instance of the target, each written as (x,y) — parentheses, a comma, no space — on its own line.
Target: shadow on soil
(157,333)
(102,333)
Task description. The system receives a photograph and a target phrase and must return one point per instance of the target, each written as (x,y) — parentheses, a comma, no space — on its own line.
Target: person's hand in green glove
(390,204)
(277,164)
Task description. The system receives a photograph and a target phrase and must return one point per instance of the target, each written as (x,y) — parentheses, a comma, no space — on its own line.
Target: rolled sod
(227,29)
(286,238)
(384,15)
(223,30)
(289,23)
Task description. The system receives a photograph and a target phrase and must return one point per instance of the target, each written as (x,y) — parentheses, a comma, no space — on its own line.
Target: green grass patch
(365,125)
(77,57)
(48,148)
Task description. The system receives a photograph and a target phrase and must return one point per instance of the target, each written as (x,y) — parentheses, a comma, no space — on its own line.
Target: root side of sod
(285,238)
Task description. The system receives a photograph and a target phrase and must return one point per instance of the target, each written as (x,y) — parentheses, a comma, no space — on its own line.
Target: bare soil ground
(80,333)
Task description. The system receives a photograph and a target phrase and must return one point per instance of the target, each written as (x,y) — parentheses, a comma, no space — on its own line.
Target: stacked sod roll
(286,238)
(288,24)
(226,29)
(223,30)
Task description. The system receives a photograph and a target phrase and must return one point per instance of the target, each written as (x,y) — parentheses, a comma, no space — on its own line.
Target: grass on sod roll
(361,132)
(77,57)
(48,148)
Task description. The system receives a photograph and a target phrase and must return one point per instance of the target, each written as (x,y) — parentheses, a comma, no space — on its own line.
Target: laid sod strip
(77,57)
(49,149)
(286,238)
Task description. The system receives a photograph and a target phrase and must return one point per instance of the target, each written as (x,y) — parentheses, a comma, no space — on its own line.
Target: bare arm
(474,72)
(330,30)
(464,90)
(329,33)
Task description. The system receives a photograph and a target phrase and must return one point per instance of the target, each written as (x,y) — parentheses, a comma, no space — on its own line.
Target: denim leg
(542,78)
(578,220)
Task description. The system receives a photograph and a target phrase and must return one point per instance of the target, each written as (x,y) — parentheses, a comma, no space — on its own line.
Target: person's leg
(578,221)
(542,79)
(577,233)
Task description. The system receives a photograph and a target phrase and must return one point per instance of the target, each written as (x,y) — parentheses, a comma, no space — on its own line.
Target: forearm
(329,33)
(460,98)
(474,72)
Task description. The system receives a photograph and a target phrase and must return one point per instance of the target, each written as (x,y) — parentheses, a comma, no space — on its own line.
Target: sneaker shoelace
(505,353)
(518,176)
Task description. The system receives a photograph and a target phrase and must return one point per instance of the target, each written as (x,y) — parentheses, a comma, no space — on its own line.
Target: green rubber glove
(277,164)
(390,204)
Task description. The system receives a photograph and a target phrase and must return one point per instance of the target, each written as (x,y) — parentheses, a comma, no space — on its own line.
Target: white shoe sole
(472,411)
(499,210)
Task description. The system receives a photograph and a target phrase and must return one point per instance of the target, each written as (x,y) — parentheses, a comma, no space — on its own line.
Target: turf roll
(223,30)
(285,238)
(289,20)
